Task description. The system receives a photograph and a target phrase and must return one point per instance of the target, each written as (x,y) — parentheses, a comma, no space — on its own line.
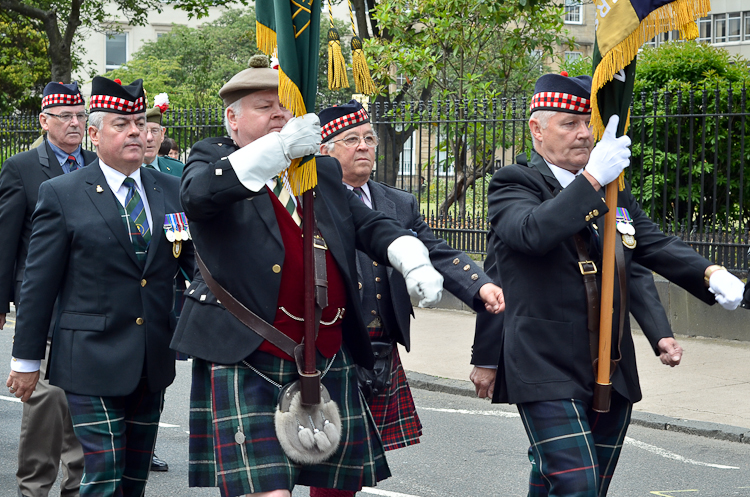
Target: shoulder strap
(245,315)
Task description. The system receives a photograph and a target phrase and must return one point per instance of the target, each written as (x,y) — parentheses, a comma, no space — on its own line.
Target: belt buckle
(591,267)
(320,243)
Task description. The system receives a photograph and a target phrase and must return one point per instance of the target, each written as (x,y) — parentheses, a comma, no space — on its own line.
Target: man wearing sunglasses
(386,307)
(47,436)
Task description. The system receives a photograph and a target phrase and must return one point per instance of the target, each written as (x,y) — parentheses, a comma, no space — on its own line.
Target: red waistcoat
(292,293)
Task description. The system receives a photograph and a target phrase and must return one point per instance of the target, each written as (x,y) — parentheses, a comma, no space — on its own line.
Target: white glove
(727,288)
(266,157)
(410,257)
(610,156)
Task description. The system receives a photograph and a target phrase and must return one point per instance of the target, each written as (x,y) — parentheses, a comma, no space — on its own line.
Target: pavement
(708,394)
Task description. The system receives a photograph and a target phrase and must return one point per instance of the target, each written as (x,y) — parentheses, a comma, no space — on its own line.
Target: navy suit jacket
(462,277)
(545,344)
(114,319)
(236,234)
(20,178)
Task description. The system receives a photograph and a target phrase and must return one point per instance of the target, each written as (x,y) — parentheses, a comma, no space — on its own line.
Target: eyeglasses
(155,132)
(66,118)
(353,141)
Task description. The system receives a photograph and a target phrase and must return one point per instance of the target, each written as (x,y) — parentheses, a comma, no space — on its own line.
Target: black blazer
(237,236)
(462,277)
(545,345)
(20,178)
(114,317)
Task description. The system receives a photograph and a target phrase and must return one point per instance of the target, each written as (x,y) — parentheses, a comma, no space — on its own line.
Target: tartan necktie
(137,222)
(286,200)
(72,163)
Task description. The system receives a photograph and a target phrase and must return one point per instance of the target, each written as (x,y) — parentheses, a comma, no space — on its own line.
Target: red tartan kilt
(394,411)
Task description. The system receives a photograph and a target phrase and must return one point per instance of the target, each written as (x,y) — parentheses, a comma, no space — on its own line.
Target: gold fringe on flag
(360,71)
(680,14)
(303,176)
(265,38)
(337,78)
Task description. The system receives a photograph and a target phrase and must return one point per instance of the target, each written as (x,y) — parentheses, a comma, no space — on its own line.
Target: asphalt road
(469,448)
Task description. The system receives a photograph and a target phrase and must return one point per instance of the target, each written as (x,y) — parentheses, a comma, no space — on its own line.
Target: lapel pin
(99,189)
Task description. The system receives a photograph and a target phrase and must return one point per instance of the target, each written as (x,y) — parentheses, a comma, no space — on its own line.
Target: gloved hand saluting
(410,257)
(727,287)
(610,156)
(267,156)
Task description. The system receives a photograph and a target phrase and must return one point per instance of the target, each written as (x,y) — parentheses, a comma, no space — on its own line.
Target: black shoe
(158,465)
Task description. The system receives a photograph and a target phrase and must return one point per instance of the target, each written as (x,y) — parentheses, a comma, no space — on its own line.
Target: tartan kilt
(394,411)
(226,399)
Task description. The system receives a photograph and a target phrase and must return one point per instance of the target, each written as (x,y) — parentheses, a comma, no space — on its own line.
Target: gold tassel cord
(265,38)
(680,14)
(337,77)
(361,73)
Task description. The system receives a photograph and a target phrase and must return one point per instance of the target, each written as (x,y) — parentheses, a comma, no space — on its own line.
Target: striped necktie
(138,229)
(72,164)
(359,193)
(286,200)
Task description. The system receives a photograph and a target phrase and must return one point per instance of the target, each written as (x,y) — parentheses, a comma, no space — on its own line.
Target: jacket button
(474,277)
(467,267)
(595,212)
(359,285)
(587,218)
(377,279)
(379,296)
(139,321)
(373,313)
(456,261)
(276,268)
(374,263)
(143,282)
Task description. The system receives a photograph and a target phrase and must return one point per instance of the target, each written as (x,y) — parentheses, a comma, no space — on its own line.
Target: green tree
(24,66)
(688,157)
(61,19)
(457,50)
(192,64)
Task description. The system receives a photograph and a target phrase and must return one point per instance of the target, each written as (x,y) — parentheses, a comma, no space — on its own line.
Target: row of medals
(177,235)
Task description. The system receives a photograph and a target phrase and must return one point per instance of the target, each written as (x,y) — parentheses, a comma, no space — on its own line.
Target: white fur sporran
(308,434)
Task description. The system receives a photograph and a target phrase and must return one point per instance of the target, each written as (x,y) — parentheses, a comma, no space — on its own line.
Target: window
(573,12)
(572,56)
(734,24)
(117,50)
(406,159)
(704,28)
(650,43)
(720,28)
(747,26)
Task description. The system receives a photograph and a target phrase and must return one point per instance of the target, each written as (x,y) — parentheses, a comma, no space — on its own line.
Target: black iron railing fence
(688,169)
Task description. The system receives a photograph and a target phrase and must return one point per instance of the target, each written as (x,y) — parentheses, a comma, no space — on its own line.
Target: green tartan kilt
(227,399)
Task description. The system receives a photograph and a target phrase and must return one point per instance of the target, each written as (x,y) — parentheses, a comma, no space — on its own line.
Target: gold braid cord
(337,78)
(361,73)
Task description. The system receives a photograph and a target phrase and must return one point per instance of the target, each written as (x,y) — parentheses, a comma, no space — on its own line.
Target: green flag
(292,29)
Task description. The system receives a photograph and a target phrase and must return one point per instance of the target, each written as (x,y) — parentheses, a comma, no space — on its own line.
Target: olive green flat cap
(258,76)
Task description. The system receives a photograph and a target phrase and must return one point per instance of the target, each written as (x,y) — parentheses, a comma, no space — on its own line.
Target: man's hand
(301,136)
(408,255)
(484,381)
(670,351)
(2,320)
(610,156)
(22,385)
(492,296)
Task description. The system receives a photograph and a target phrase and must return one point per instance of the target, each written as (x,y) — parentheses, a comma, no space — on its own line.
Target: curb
(656,421)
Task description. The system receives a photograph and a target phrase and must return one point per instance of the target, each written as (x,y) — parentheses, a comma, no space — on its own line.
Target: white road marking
(167,425)
(671,455)
(386,493)
(10,399)
(501,414)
